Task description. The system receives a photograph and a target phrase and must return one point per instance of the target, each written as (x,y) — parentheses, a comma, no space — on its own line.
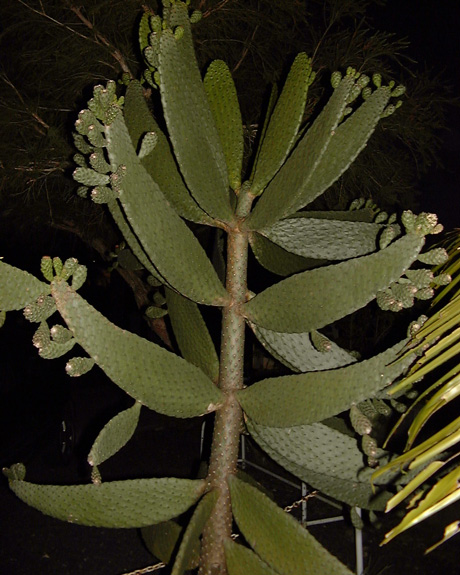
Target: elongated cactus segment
(192,334)
(162,540)
(321,157)
(324,239)
(114,435)
(241,560)
(296,351)
(295,551)
(353,492)
(160,162)
(283,401)
(192,129)
(277,260)
(313,299)
(19,288)
(155,377)
(169,243)
(283,125)
(129,503)
(223,102)
(292,179)
(325,458)
(192,534)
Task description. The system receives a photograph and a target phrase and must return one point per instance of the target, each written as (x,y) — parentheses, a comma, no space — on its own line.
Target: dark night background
(35,395)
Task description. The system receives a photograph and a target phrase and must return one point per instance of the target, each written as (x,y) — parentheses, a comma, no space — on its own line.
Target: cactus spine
(151,182)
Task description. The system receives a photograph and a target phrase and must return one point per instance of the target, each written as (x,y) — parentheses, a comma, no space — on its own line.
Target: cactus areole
(152,182)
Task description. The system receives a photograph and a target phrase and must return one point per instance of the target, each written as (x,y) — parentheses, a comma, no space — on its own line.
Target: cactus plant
(152,182)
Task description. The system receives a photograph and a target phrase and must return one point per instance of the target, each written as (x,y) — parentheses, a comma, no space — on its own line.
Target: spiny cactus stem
(228,422)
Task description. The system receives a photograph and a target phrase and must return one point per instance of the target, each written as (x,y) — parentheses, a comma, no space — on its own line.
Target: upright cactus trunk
(229,419)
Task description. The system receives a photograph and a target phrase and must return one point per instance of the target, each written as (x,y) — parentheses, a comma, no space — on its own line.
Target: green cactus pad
(324,238)
(241,561)
(223,101)
(190,123)
(132,241)
(159,163)
(152,375)
(165,237)
(192,335)
(355,492)
(325,458)
(321,157)
(284,124)
(313,299)
(278,539)
(114,435)
(275,259)
(130,503)
(162,541)
(283,401)
(294,176)
(296,351)
(19,288)
(188,546)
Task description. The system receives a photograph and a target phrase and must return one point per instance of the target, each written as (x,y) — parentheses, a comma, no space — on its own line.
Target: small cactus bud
(354,93)
(98,162)
(68,268)
(102,195)
(381,218)
(156,23)
(425,293)
(398,91)
(17,472)
(389,233)
(381,407)
(80,160)
(195,16)
(320,342)
(79,276)
(81,144)
(363,81)
(377,80)
(151,57)
(442,279)
(41,337)
(154,312)
(336,78)
(60,334)
(388,111)
(46,267)
(369,445)
(90,177)
(434,257)
(2,318)
(95,136)
(178,32)
(79,366)
(149,141)
(398,406)
(96,476)
(41,309)
(359,421)
(357,204)
(366,92)
(58,265)
(422,278)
